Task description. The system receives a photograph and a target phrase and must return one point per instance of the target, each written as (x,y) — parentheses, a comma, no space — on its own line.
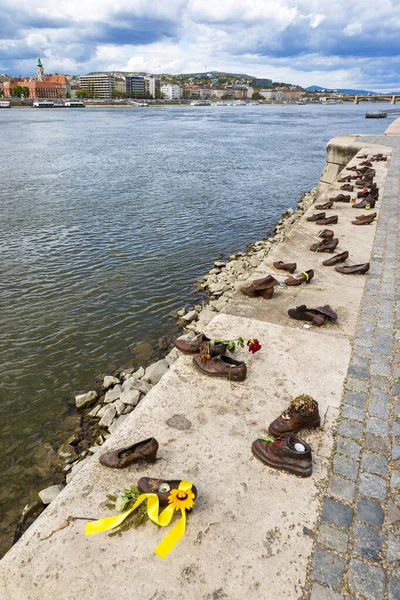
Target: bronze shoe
(289,267)
(162,488)
(326,234)
(364,203)
(347,187)
(302,413)
(341,198)
(353,269)
(316,316)
(305,277)
(336,259)
(258,286)
(343,179)
(289,453)
(364,219)
(194,346)
(328,221)
(124,457)
(316,217)
(325,206)
(328,245)
(221,366)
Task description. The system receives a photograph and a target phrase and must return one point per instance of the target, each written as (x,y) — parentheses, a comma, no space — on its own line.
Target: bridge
(357,99)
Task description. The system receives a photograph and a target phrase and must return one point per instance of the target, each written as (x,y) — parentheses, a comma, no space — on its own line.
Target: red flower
(254,346)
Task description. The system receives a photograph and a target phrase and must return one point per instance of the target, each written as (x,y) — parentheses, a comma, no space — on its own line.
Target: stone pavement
(357,545)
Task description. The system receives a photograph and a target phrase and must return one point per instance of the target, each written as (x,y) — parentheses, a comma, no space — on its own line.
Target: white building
(152,86)
(171,91)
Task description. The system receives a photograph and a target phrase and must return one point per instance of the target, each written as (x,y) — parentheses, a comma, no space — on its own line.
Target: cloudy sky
(332,43)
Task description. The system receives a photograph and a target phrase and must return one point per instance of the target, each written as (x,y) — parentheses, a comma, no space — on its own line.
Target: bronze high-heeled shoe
(124,457)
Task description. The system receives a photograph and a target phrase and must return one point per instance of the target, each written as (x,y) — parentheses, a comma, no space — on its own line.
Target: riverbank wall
(250,525)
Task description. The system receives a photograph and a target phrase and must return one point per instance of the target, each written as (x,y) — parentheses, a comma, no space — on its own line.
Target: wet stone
(351,429)
(332,538)
(343,489)
(378,409)
(328,568)
(348,447)
(319,592)
(358,399)
(366,580)
(336,513)
(368,542)
(372,486)
(376,443)
(375,463)
(394,589)
(343,465)
(352,412)
(369,511)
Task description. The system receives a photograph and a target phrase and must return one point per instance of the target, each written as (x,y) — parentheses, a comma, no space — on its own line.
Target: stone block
(343,489)
(368,542)
(372,486)
(328,568)
(336,513)
(367,580)
(332,538)
(343,465)
(375,463)
(369,511)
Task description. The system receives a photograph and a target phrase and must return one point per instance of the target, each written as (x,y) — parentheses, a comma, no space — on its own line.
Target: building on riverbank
(134,86)
(152,86)
(171,91)
(99,85)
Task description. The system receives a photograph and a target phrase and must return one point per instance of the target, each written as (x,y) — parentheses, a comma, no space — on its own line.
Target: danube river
(108,217)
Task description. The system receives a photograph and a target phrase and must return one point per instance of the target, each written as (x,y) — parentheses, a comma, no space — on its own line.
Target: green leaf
(231,346)
(240,342)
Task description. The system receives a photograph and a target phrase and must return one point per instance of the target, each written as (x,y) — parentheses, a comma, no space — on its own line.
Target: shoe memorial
(347,187)
(302,413)
(341,198)
(176,495)
(221,366)
(305,277)
(316,217)
(336,259)
(260,287)
(353,269)
(124,457)
(326,234)
(316,316)
(328,245)
(328,220)
(364,219)
(281,266)
(325,206)
(366,203)
(289,453)
(194,346)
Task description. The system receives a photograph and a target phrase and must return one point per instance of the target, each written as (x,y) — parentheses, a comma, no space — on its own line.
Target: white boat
(74,104)
(200,103)
(5,104)
(43,104)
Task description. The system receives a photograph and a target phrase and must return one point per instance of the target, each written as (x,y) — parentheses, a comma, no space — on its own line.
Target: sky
(335,43)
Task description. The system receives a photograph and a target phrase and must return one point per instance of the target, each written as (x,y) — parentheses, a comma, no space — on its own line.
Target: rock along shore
(250,524)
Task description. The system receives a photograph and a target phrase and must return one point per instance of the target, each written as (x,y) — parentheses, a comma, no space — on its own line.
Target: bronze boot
(289,453)
(302,413)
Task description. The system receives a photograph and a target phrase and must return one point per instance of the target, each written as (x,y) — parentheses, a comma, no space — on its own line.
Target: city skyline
(302,42)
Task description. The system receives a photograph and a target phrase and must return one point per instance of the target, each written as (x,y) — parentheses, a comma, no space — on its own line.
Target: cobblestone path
(357,547)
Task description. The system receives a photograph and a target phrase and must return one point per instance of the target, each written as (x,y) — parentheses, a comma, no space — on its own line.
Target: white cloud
(353,29)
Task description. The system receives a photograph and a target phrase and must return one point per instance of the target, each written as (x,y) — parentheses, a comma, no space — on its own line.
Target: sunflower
(181,499)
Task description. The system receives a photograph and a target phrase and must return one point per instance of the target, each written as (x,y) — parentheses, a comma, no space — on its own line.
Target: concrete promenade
(258,533)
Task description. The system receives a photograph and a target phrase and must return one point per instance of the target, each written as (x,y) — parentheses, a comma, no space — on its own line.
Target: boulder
(113,394)
(94,412)
(190,316)
(101,412)
(136,384)
(155,371)
(128,409)
(48,494)
(205,317)
(108,416)
(109,381)
(130,397)
(219,264)
(117,423)
(217,289)
(140,372)
(67,453)
(119,407)
(83,400)
(172,356)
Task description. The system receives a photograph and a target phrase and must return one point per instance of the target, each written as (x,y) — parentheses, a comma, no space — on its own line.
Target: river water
(108,217)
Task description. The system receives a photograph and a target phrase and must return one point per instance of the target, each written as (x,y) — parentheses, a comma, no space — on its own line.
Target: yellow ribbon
(162,519)
(305,275)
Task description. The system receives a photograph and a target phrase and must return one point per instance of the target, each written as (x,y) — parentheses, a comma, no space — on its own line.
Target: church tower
(40,71)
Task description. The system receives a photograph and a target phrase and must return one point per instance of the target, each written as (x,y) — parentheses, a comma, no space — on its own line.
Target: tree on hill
(20,90)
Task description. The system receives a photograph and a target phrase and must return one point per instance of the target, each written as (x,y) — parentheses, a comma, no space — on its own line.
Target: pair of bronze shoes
(305,277)
(326,245)
(263,288)
(288,451)
(210,359)
(322,219)
(364,219)
(143,451)
(316,316)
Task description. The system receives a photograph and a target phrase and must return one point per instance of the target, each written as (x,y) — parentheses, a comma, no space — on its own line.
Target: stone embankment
(252,531)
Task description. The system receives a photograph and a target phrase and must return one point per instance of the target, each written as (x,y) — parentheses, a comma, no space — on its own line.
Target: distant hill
(317,88)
